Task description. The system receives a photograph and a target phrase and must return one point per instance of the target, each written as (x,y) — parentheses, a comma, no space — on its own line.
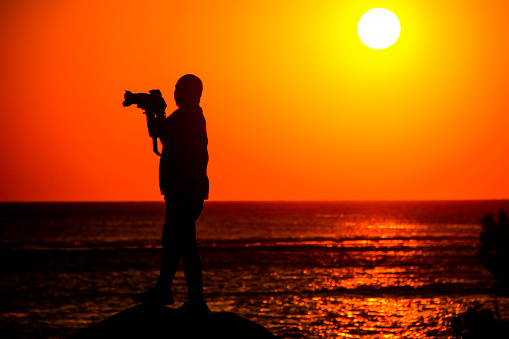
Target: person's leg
(171,244)
(161,293)
(191,260)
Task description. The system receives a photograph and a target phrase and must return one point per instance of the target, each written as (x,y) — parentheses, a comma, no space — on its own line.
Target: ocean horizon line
(253,201)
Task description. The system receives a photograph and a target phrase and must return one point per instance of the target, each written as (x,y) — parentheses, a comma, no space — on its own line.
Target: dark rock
(494,250)
(152,321)
(479,323)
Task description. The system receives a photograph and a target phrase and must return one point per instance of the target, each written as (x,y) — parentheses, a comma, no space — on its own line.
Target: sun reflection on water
(355,278)
(364,277)
(349,317)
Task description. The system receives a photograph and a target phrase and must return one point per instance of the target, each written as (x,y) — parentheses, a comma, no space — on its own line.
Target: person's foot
(155,295)
(194,307)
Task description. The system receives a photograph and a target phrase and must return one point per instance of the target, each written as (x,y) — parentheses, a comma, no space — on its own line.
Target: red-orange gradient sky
(297,107)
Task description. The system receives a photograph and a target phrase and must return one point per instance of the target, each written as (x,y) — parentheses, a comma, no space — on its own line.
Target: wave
(351,243)
(426,291)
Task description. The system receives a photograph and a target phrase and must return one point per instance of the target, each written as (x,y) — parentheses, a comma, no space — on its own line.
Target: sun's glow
(401,123)
(379,28)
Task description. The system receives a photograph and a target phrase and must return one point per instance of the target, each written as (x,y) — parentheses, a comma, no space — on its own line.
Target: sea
(361,269)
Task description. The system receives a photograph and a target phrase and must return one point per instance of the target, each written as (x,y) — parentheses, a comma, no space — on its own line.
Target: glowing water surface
(303,270)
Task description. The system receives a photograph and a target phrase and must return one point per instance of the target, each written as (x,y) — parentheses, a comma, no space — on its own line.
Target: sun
(379,28)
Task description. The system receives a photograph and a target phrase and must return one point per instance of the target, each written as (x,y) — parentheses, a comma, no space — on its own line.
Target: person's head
(188,91)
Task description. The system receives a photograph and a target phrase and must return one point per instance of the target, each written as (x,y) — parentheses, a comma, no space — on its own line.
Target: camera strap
(154,146)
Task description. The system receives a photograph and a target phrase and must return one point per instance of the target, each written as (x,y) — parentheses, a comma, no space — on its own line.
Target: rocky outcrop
(152,321)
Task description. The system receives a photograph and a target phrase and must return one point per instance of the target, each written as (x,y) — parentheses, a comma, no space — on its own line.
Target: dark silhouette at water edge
(494,250)
(157,321)
(481,322)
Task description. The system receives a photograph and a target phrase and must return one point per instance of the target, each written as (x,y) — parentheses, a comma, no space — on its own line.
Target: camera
(151,103)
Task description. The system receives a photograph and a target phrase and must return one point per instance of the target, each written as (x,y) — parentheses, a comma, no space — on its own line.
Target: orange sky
(297,107)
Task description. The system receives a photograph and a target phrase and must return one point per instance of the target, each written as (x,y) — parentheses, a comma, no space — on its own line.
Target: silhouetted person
(184,183)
